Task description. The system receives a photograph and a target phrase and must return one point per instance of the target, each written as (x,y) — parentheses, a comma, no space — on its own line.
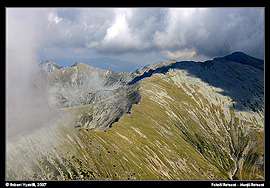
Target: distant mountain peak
(49,66)
(101,63)
(243,58)
(239,53)
(238,57)
(84,65)
(76,64)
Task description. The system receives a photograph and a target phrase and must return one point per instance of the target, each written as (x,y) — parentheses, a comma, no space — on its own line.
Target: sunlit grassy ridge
(145,144)
(169,134)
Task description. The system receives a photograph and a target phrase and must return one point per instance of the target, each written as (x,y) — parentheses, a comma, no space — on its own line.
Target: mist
(27,107)
(76,89)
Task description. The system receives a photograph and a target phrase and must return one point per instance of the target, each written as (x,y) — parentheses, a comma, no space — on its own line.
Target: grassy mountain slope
(174,132)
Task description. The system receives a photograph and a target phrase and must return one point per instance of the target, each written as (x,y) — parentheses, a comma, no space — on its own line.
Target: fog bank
(27,107)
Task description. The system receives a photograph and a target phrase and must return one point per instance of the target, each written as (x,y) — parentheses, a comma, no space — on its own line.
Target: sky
(140,35)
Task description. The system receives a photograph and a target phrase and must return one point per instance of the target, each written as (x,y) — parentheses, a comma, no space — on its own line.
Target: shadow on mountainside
(244,84)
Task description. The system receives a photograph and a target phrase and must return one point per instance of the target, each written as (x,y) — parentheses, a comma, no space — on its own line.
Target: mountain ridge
(209,71)
(239,57)
(243,58)
(102,63)
(170,120)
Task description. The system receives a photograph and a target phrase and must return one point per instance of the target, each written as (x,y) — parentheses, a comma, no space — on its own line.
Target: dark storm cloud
(172,32)
(232,30)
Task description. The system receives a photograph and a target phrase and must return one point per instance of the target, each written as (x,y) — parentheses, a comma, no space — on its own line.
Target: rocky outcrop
(105,94)
(106,107)
(49,66)
(243,58)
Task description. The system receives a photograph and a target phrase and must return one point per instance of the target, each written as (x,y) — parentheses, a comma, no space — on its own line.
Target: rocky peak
(49,66)
(154,66)
(243,58)
(77,64)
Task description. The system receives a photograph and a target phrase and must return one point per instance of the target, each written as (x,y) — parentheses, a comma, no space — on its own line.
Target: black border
(184,183)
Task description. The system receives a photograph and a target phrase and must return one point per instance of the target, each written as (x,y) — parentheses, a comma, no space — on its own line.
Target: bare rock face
(49,66)
(104,92)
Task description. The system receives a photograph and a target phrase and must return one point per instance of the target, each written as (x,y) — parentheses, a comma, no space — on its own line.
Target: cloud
(27,101)
(209,32)
(54,18)
(185,54)
(119,37)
